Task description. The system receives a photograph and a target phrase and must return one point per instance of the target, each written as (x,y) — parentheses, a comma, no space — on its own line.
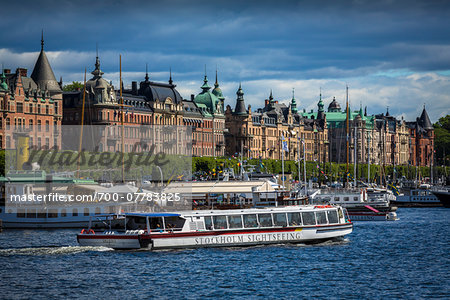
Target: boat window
(175,223)
(321,217)
(208,223)
(346,198)
(250,221)
(52,213)
(220,222)
(308,218)
(279,219)
(336,199)
(156,224)
(265,220)
(63,212)
(294,219)
(341,215)
(21,213)
(31,213)
(42,214)
(355,198)
(235,221)
(97,210)
(74,212)
(332,216)
(86,211)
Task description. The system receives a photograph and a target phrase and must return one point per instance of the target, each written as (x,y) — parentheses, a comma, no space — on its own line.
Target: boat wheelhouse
(220,228)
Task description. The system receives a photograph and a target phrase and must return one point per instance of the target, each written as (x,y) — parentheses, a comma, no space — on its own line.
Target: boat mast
(368,159)
(282,159)
(121,119)
(346,101)
(354,158)
(82,123)
(298,160)
(304,166)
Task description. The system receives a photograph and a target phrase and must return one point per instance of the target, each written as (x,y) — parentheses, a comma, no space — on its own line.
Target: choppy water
(409,258)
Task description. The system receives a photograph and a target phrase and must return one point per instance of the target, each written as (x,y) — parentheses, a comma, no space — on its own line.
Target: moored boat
(444,197)
(220,228)
(359,205)
(420,197)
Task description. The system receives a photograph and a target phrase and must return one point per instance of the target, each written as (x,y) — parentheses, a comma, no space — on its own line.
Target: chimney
(7,71)
(192,97)
(134,89)
(266,103)
(22,72)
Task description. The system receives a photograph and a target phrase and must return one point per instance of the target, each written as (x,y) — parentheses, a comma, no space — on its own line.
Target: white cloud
(402,90)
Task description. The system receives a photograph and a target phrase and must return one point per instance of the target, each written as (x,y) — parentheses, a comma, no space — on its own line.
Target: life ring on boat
(91,231)
(83,231)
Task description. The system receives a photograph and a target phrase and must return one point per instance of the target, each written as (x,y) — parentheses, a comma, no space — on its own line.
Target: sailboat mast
(355,153)
(121,119)
(368,159)
(82,123)
(347,129)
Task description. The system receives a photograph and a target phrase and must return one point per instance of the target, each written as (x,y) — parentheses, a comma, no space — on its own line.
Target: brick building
(422,140)
(30,106)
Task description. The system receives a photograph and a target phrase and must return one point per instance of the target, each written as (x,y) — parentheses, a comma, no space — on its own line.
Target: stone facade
(259,134)
(152,103)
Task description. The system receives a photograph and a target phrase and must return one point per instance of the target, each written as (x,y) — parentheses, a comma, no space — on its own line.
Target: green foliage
(2,162)
(442,140)
(74,86)
(332,171)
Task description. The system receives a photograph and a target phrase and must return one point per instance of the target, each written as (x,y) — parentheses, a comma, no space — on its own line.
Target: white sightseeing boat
(220,228)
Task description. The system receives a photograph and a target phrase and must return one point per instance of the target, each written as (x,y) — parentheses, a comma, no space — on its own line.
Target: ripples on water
(409,258)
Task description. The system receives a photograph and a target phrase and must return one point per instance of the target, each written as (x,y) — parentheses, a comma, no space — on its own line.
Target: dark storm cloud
(374,45)
(311,34)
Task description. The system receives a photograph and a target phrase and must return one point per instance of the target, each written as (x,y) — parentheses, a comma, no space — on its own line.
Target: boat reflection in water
(220,228)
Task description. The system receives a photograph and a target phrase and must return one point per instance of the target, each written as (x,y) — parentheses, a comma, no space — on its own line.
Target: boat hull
(444,198)
(227,238)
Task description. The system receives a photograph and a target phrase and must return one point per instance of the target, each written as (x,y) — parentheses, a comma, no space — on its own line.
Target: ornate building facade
(259,134)
(422,140)
(150,103)
(30,106)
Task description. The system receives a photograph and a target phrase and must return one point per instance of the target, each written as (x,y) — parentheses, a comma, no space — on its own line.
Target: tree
(74,86)
(442,140)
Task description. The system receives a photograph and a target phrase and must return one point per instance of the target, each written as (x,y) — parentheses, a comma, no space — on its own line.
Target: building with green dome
(380,139)
(211,104)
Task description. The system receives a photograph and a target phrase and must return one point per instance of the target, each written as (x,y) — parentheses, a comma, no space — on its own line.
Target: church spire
(293,103)
(205,87)
(42,40)
(146,72)
(240,104)
(42,73)
(170,76)
(97,72)
(320,110)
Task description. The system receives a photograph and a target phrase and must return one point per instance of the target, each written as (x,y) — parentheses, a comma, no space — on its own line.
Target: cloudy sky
(390,53)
